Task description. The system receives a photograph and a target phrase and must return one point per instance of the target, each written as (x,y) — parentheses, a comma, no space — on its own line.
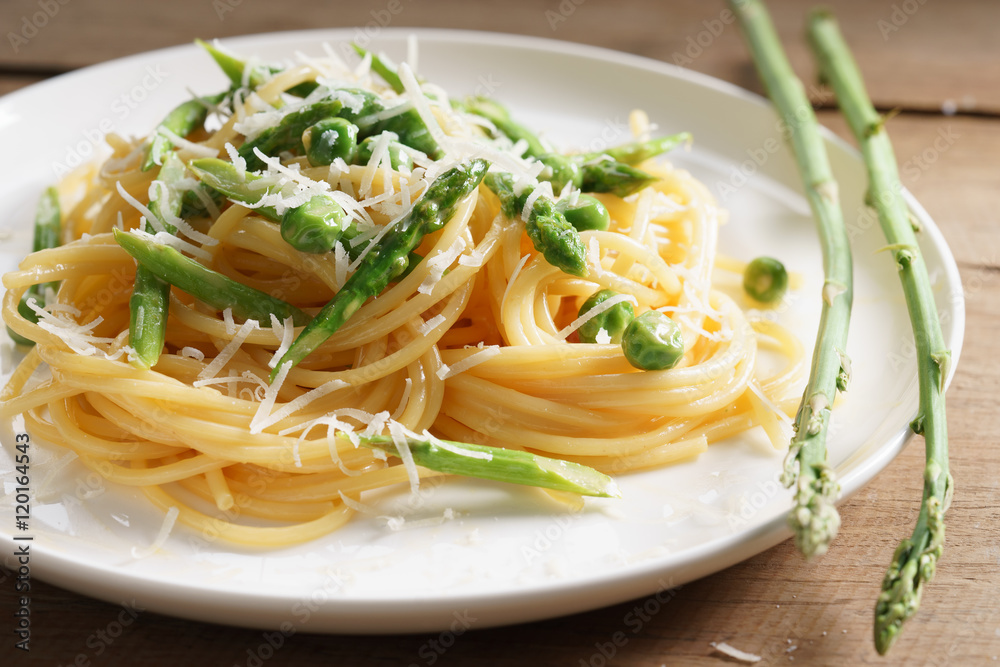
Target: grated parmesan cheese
(594,312)
(161,537)
(229,351)
(742,656)
(399,433)
(465,364)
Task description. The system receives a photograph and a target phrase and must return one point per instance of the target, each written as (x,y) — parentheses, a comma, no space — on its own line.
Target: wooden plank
(8,84)
(890,37)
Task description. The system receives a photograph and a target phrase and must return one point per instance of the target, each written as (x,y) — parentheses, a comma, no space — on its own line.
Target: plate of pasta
(360,336)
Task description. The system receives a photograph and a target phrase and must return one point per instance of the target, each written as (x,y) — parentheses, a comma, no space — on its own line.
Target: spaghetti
(477,343)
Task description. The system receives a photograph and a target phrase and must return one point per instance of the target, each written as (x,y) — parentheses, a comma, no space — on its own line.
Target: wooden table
(918,57)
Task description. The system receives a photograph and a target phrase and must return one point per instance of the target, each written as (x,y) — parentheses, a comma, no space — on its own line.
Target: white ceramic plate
(510,555)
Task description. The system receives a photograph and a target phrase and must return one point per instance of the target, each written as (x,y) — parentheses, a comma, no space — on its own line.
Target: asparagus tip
(814,518)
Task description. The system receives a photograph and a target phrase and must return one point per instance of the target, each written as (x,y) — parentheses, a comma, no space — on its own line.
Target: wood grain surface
(921,57)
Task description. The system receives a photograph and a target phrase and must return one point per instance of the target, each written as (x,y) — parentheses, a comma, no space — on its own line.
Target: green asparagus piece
(287,134)
(408,126)
(814,517)
(313,227)
(150,300)
(500,116)
(915,560)
(233,68)
(398,157)
(47,234)
(501,465)
(330,139)
(613,321)
(204,284)
(182,121)
(390,258)
(653,342)
(635,152)
(550,233)
(588,172)
(384,67)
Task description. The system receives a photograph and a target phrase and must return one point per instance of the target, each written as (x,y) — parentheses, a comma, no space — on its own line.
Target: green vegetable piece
(501,465)
(150,300)
(287,134)
(182,121)
(550,233)
(206,285)
(588,213)
(500,116)
(330,139)
(765,279)
(384,67)
(635,152)
(653,342)
(603,174)
(234,68)
(614,320)
(398,157)
(387,261)
(47,234)
(313,227)
(362,107)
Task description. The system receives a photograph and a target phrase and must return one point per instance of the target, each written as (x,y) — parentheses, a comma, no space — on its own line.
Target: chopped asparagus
(501,465)
(390,258)
(47,234)
(204,284)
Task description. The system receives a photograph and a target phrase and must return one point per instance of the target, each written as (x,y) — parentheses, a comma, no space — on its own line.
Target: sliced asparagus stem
(47,234)
(814,517)
(205,284)
(501,465)
(150,301)
(916,558)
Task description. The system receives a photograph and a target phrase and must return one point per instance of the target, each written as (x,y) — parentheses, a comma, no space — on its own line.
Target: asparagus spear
(502,465)
(234,68)
(150,300)
(390,258)
(814,517)
(287,134)
(409,126)
(48,233)
(182,121)
(204,284)
(550,233)
(313,227)
(605,171)
(916,558)
(384,67)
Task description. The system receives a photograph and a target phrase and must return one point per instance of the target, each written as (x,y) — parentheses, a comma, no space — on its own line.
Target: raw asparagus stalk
(150,300)
(390,258)
(915,560)
(204,284)
(814,516)
(502,465)
(47,234)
